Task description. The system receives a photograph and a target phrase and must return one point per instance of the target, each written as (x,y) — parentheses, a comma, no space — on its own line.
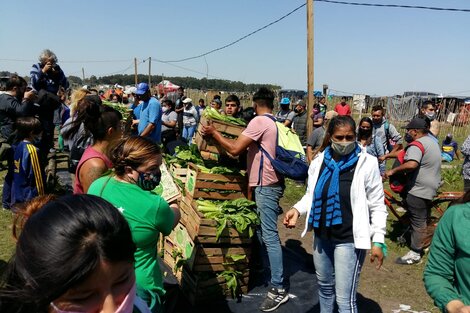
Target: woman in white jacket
(344,204)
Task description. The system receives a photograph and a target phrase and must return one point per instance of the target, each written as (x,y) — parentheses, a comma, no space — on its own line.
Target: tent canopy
(166,86)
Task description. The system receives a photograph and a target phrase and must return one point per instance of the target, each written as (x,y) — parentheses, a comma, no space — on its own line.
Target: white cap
(130,90)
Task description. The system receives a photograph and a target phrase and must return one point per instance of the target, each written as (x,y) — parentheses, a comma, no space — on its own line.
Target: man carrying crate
(268,186)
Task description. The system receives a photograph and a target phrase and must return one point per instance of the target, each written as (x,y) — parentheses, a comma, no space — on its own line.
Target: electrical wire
(239,39)
(395,6)
(61,61)
(185,68)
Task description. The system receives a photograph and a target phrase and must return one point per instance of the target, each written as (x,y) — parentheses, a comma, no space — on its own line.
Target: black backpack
(76,152)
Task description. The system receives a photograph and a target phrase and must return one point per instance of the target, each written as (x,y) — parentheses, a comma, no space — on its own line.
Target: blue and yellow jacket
(28,176)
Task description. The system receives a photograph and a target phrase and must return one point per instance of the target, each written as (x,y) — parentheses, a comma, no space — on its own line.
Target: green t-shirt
(148,215)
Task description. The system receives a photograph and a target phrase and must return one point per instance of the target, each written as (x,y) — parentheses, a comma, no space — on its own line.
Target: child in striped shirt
(28,176)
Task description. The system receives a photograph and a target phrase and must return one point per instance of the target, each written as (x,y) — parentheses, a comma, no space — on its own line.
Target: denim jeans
(188,133)
(337,267)
(267,205)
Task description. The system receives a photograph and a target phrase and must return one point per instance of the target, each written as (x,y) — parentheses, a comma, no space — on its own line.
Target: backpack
(78,148)
(290,159)
(398,182)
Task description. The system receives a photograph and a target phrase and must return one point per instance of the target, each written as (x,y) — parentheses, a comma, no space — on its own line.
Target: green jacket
(447,273)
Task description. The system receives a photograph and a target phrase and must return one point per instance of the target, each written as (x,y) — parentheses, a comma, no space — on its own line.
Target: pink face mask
(127,306)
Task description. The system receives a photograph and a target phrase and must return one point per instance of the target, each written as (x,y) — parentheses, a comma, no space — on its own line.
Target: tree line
(186,82)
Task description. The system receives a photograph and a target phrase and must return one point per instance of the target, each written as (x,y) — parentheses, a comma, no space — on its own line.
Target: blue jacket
(28,176)
(48,81)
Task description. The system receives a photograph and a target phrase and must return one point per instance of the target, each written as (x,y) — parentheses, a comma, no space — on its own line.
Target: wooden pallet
(202,289)
(225,187)
(203,230)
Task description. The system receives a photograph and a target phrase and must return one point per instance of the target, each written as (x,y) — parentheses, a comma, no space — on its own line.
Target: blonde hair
(77,96)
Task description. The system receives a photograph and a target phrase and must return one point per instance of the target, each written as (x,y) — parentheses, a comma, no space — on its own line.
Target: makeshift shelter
(165,86)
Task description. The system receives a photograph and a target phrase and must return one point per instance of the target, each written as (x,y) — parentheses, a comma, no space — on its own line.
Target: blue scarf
(332,169)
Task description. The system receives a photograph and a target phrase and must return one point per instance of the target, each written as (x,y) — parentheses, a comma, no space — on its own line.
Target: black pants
(419,210)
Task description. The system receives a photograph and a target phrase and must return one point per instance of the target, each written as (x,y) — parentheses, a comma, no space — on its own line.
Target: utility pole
(135,71)
(310,90)
(83,75)
(150,72)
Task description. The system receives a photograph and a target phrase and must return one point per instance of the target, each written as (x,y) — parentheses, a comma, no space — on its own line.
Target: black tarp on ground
(300,274)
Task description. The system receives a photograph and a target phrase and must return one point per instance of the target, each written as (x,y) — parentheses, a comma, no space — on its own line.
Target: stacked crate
(200,275)
(209,148)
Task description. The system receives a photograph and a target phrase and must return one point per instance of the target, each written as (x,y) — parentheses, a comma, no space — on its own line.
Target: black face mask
(408,138)
(364,133)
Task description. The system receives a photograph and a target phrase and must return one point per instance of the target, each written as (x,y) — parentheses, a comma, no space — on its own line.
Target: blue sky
(377,51)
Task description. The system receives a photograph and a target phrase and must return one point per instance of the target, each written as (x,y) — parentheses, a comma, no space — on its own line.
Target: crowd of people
(98,252)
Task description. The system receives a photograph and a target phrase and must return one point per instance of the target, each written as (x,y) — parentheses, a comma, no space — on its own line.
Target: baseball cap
(217,101)
(417,123)
(285,101)
(142,88)
(187,100)
(130,90)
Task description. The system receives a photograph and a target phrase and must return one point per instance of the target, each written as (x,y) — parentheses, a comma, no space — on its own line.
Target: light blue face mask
(431,116)
(343,148)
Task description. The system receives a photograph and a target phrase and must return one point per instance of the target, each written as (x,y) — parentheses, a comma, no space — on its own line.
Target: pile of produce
(213,114)
(121,108)
(239,212)
(185,155)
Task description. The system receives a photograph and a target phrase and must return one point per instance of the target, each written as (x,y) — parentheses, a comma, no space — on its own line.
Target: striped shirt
(28,176)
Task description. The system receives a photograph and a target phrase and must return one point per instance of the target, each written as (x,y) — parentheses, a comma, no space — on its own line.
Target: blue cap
(285,101)
(142,88)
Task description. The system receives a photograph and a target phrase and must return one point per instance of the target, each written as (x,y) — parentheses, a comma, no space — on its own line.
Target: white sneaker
(410,258)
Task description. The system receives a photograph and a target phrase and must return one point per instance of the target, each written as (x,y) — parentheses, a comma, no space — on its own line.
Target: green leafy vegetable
(239,212)
(124,110)
(211,113)
(231,279)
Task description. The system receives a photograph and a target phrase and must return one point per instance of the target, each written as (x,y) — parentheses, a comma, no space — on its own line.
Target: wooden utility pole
(135,71)
(83,75)
(310,90)
(150,72)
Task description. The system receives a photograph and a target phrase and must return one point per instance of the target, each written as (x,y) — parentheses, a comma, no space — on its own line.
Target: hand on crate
(291,217)
(208,130)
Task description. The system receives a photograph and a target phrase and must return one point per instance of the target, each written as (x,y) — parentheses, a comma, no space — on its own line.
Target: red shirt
(343,109)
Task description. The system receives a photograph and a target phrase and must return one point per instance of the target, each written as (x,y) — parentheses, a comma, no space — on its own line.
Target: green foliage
(211,113)
(187,82)
(231,279)
(239,212)
(191,154)
(125,112)
(452,178)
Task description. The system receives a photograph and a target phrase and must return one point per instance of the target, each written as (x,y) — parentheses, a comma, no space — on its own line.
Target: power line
(238,40)
(61,61)
(185,68)
(395,6)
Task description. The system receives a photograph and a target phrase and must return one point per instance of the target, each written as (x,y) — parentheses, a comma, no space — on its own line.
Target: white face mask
(164,109)
(431,115)
(126,306)
(343,148)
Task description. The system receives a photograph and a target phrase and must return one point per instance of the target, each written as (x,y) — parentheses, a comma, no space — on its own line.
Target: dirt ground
(379,290)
